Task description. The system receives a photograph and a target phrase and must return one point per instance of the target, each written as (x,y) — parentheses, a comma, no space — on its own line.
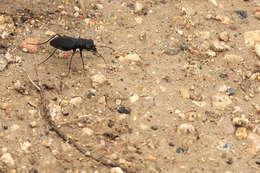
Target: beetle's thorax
(81,43)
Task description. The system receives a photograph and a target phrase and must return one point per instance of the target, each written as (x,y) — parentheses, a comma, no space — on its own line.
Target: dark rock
(223,75)
(123,110)
(180,150)
(154,127)
(231,91)
(229,161)
(241,13)
(171,144)
(184,47)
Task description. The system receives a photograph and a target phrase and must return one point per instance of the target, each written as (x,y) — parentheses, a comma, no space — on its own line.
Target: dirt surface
(180,93)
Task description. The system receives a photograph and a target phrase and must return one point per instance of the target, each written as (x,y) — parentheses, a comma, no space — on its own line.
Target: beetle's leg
(83,65)
(47,57)
(73,53)
(46,41)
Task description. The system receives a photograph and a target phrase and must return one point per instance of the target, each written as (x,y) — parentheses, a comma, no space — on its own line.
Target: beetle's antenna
(99,55)
(45,41)
(107,47)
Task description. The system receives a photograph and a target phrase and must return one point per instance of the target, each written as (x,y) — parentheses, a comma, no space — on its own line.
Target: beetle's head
(90,46)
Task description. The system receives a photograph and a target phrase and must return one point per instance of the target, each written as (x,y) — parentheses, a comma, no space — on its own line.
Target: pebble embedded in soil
(219,46)
(180,150)
(116,170)
(241,13)
(98,79)
(7,159)
(186,129)
(27,45)
(224,36)
(241,133)
(154,128)
(6,26)
(225,126)
(257,50)
(139,7)
(220,101)
(252,37)
(76,101)
(87,131)
(3,63)
(234,59)
(131,57)
(184,93)
(123,110)
(254,140)
(134,98)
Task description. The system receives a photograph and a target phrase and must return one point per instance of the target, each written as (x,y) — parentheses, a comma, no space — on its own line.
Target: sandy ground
(180,93)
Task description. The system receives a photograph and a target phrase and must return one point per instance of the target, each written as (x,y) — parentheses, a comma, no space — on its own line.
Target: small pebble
(224,36)
(116,170)
(90,95)
(230,91)
(139,7)
(7,159)
(186,128)
(234,59)
(219,46)
(254,140)
(28,45)
(220,101)
(76,101)
(33,124)
(98,79)
(184,93)
(229,161)
(123,110)
(241,13)
(171,144)
(134,98)
(257,50)
(184,47)
(223,75)
(241,133)
(180,150)
(154,128)
(251,38)
(5,127)
(3,63)
(87,131)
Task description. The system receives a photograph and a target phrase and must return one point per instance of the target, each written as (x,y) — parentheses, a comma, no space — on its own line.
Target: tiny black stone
(90,95)
(223,75)
(154,127)
(123,110)
(110,124)
(171,144)
(117,57)
(258,161)
(35,171)
(54,98)
(184,47)
(109,42)
(231,91)
(5,127)
(241,13)
(131,6)
(229,161)
(180,150)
